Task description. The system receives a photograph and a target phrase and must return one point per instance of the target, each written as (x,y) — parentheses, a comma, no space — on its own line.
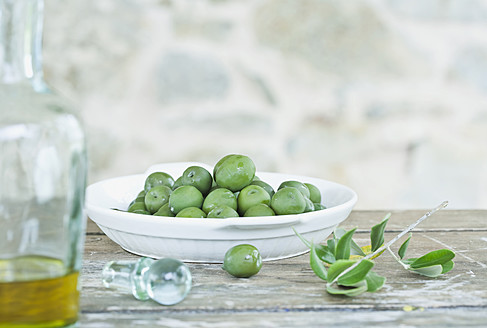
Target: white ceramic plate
(207,240)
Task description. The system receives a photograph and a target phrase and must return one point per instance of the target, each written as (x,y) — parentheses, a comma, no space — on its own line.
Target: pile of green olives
(231,190)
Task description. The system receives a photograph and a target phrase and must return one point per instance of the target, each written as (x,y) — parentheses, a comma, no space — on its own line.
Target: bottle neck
(21,41)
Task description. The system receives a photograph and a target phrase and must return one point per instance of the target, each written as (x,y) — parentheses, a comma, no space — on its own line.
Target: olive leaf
(404,247)
(355,249)
(374,281)
(331,243)
(448,266)
(431,271)
(325,254)
(377,233)
(433,258)
(316,264)
(357,289)
(408,261)
(432,264)
(352,277)
(343,245)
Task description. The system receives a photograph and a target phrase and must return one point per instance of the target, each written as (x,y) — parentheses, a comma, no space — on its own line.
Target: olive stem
(405,266)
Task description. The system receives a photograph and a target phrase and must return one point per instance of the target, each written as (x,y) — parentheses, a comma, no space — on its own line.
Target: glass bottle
(43,169)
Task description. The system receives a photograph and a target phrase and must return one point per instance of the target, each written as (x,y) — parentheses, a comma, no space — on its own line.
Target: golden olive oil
(34,294)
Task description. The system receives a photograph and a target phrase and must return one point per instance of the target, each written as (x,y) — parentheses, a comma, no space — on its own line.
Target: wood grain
(286,293)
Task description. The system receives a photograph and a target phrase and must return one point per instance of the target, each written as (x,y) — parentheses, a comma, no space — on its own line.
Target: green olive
(234,172)
(220,162)
(314,193)
(157,179)
(199,177)
(156,197)
(250,196)
(310,207)
(164,211)
(138,207)
(267,187)
(259,210)
(242,261)
(222,212)
(219,197)
(288,200)
(178,183)
(296,184)
(319,206)
(140,198)
(191,212)
(185,196)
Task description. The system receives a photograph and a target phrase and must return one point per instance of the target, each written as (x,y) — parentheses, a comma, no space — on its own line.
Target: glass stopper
(166,281)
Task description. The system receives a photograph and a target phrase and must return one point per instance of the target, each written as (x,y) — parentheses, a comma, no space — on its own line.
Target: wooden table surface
(286,293)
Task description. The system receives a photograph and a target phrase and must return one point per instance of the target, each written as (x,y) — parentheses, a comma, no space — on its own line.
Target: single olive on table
(242,261)
(231,190)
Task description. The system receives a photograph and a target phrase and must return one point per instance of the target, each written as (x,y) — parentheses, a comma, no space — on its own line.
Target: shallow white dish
(207,240)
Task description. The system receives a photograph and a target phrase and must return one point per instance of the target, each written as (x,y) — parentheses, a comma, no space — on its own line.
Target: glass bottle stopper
(166,281)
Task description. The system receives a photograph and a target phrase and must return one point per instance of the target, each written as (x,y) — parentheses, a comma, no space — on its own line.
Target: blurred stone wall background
(386,96)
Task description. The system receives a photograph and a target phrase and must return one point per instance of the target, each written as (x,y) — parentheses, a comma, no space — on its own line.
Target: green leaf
(409,261)
(343,246)
(357,274)
(355,290)
(331,246)
(322,251)
(352,277)
(431,271)
(316,264)
(336,268)
(438,257)
(404,247)
(374,281)
(448,266)
(377,233)
(355,249)
(325,254)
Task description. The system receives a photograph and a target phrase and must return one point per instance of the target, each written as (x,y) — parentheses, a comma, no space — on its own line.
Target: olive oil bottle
(42,182)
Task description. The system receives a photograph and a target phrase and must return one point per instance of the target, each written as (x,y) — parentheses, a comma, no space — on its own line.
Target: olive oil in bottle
(36,291)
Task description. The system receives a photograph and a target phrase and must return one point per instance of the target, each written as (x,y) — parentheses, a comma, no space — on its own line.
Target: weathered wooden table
(286,293)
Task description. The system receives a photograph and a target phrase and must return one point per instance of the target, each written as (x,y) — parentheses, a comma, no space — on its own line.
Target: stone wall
(386,96)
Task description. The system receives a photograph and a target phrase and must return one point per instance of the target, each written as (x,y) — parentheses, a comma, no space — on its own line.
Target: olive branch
(349,265)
